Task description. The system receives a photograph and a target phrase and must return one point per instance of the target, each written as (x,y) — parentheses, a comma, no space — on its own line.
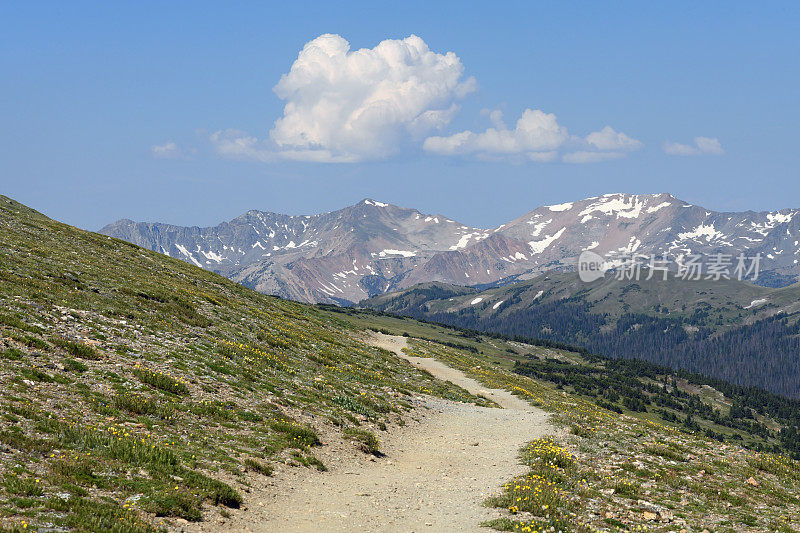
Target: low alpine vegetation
(161,381)
(136,389)
(368,440)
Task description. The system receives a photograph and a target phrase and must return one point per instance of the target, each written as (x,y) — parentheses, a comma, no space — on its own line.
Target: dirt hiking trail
(437,471)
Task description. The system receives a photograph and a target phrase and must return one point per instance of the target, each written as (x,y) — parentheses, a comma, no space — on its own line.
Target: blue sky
(90,91)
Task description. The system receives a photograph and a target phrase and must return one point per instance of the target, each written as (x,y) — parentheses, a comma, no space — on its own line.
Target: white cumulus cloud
(534,133)
(536,136)
(701,146)
(344,105)
(608,139)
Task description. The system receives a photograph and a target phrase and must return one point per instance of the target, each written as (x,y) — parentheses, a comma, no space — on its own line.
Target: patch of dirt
(435,475)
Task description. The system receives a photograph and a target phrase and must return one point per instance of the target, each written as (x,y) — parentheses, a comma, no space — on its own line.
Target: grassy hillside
(726,329)
(137,389)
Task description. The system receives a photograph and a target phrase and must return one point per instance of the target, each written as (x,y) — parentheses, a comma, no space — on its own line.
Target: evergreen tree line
(765,354)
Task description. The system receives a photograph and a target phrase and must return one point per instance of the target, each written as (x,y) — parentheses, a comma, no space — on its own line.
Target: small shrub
(34,374)
(309,460)
(20,486)
(16,323)
(258,466)
(142,405)
(161,381)
(78,349)
(32,342)
(75,366)
(581,430)
(545,452)
(94,515)
(297,434)
(626,489)
(351,404)
(615,523)
(175,503)
(369,442)
(215,490)
(15,438)
(249,416)
(216,409)
(665,452)
(12,354)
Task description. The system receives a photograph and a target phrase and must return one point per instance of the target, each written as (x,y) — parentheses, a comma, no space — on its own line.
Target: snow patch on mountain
(188,254)
(622,205)
(465,238)
(540,246)
(780,218)
(404,253)
(702,231)
(756,303)
(212,255)
(376,204)
(658,207)
(538,227)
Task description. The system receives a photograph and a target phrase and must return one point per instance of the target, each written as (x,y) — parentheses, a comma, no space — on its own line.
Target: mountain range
(372,247)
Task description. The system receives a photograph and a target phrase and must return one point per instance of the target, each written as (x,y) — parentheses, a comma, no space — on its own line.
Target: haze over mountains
(372,247)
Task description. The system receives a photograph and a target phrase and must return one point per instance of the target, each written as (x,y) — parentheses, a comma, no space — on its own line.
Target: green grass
(17,323)
(12,354)
(664,451)
(22,486)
